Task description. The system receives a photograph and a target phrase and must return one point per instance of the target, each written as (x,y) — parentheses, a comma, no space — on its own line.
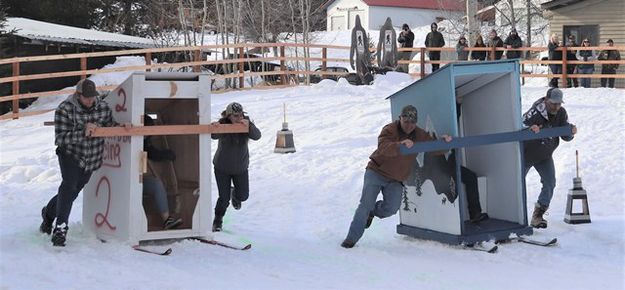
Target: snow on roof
(45,31)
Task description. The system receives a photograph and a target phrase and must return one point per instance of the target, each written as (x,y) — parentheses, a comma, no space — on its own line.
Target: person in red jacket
(385,172)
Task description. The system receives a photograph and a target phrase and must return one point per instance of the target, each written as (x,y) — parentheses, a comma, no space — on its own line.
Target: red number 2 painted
(100,218)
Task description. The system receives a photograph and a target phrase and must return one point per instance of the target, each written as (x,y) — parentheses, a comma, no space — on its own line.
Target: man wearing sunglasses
(385,172)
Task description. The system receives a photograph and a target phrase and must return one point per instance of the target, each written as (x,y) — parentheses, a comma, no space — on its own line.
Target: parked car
(351,77)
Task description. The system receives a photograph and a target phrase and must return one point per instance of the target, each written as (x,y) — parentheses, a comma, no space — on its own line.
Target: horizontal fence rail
(281,62)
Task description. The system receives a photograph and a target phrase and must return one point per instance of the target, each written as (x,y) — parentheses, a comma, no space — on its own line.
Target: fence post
(493,49)
(283,66)
(324,64)
(422,62)
(83,67)
(148,60)
(16,89)
(241,67)
(196,57)
(564,81)
(522,71)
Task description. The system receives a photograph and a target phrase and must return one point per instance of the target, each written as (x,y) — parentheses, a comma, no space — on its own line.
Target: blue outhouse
(463,100)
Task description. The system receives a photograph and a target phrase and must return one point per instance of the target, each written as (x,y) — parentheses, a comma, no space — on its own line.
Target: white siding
(399,16)
(347,9)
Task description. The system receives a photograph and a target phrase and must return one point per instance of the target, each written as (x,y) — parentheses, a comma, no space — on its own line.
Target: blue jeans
(154,187)
(585,81)
(547,173)
(388,206)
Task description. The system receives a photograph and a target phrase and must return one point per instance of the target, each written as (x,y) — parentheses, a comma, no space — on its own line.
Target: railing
(286,75)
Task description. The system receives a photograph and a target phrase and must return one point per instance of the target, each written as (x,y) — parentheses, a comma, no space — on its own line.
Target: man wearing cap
(406,40)
(385,172)
(231,162)
(546,112)
(609,68)
(79,154)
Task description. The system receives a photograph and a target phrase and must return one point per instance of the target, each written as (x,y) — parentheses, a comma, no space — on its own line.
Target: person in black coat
(434,39)
(494,41)
(406,40)
(554,54)
(513,41)
(570,68)
(478,55)
(231,162)
(546,112)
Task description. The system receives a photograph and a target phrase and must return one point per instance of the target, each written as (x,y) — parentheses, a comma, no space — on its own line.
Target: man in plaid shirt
(79,154)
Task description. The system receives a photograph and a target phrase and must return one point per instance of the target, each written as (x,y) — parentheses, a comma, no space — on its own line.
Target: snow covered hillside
(301,205)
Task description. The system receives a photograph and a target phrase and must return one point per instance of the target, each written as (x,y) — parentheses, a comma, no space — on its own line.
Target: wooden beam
(16,90)
(169,130)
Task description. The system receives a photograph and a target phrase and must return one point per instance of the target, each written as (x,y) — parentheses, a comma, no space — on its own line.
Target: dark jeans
(547,172)
(555,69)
(435,55)
(241,189)
(607,82)
(571,82)
(469,179)
(586,70)
(74,179)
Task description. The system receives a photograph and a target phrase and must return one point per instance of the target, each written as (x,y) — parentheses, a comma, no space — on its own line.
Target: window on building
(582,31)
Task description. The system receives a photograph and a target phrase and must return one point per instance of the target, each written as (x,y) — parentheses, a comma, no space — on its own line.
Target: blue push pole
(488,139)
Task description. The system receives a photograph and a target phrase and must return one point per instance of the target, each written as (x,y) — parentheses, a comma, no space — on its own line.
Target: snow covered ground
(301,205)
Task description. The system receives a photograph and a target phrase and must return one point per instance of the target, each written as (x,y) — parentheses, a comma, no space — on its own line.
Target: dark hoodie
(232,156)
(515,42)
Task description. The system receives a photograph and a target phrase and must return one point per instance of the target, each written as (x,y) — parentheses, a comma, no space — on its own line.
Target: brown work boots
(537,217)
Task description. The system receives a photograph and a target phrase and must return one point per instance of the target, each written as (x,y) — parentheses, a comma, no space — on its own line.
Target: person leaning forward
(79,154)
(385,172)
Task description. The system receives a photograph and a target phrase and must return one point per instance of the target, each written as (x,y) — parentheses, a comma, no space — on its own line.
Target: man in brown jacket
(385,172)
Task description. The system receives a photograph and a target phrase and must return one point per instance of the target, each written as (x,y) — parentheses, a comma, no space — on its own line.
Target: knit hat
(86,88)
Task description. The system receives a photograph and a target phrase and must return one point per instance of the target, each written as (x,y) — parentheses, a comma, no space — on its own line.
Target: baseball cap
(234,108)
(87,88)
(410,113)
(554,95)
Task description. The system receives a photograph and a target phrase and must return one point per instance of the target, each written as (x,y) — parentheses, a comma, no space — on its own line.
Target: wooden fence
(287,76)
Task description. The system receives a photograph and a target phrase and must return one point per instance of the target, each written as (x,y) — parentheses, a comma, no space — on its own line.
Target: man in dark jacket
(385,172)
(570,67)
(609,68)
(434,39)
(79,154)
(494,41)
(231,162)
(406,40)
(546,112)
(513,41)
(554,54)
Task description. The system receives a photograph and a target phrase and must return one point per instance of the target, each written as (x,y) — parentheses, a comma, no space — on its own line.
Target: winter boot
(46,224)
(479,217)
(347,244)
(217,224)
(59,234)
(537,217)
(172,223)
(369,220)
(236,204)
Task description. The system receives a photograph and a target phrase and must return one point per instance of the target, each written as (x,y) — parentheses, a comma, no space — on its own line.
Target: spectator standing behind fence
(494,41)
(609,68)
(461,48)
(554,54)
(586,55)
(513,41)
(406,40)
(570,68)
(478,55)
(434,39)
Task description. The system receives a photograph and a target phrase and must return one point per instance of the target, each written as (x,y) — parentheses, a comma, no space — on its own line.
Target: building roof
(456,5)
(557,4)
(50,32)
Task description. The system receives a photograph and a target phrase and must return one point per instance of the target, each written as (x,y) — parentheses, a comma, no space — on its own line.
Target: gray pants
(547,173)
(154,187)
(388,206)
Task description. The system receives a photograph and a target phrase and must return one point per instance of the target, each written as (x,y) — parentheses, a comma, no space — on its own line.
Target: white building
(341,14)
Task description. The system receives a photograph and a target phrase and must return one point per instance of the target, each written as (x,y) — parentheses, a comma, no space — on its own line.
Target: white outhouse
(114,206)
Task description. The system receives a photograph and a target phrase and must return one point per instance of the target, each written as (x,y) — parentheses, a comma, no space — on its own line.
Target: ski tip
(167,252)
(247,247)
(493,250)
